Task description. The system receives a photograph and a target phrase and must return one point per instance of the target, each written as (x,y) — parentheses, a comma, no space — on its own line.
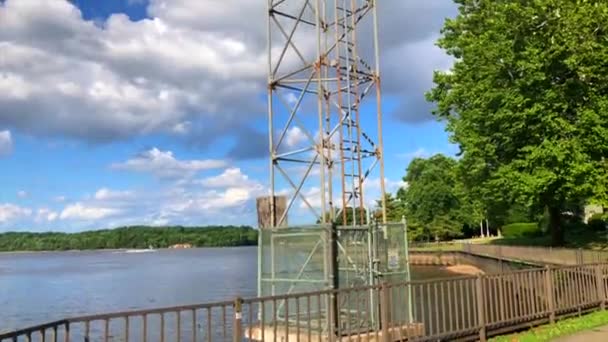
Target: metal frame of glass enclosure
(325,257)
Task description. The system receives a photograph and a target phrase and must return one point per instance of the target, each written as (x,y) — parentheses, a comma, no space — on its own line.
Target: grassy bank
(436,246)
(576,238)
(129,237)
(562,328)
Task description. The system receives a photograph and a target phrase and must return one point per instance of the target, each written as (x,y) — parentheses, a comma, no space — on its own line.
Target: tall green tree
(527,99)
(432,203)
(395,207)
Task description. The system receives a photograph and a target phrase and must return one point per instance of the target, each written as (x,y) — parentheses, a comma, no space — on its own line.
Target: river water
(40,287)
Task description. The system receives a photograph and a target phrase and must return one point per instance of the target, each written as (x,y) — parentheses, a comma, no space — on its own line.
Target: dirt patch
(464,269)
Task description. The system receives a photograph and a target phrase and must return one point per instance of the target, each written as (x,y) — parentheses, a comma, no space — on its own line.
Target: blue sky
(131,112)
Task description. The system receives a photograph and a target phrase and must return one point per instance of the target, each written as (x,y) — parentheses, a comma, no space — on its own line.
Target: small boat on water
(140,251)
(150,249)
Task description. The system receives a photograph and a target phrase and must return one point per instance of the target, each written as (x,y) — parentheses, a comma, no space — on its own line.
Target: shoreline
(114,250)
(464,269)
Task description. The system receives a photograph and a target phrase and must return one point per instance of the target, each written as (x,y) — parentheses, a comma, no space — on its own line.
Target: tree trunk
(555,225)
(488,227)
(481,228)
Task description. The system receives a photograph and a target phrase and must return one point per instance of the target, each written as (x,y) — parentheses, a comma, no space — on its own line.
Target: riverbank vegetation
(130,238)
(561,328)
(525,102)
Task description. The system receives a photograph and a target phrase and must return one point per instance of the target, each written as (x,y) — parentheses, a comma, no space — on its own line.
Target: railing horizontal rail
(32,329)
(530,254)
(132,313)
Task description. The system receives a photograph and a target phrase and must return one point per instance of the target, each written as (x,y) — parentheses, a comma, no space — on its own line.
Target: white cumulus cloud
(164,164)
(105,194)
(80,211)
(295,136)
(9,212)
(229,178)
(6,143)
(46,215)
(227,195)
(191,61)
(118,78)
(213,201)
(225,198)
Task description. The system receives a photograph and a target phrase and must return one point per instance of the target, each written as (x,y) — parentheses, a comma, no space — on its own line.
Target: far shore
(112,250)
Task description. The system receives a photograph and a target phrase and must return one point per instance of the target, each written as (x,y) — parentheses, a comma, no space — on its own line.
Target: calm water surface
(40,287)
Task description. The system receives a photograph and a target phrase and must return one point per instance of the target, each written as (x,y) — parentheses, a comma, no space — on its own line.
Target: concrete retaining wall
(486,264)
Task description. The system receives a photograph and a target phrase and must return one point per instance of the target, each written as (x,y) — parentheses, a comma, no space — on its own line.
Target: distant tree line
(440,203)
(130,237)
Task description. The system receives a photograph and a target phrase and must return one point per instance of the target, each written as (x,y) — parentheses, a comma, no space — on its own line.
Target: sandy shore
(464,269)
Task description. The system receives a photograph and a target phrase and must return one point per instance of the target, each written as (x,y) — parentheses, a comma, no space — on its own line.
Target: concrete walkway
(599,334)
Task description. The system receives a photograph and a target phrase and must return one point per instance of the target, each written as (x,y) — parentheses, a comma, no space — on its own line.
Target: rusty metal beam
(343,135)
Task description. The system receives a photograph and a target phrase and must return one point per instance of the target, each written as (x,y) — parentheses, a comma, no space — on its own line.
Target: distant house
(591,210)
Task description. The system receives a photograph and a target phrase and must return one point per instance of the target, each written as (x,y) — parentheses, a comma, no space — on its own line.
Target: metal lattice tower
(324,85)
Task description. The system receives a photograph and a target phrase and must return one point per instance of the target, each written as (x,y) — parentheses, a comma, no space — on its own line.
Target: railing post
(334,281)
(550,294)
(599,283)
(384,312)
(237,326)
(499,257)
(481,316)
(87,331)
(66,335)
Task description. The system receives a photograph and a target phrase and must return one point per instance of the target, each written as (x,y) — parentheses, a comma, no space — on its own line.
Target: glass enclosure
(324,257)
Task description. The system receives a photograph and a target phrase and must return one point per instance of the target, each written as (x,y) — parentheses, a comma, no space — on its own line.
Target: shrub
(520,230)
(597,222)
(574,223)
(518,213)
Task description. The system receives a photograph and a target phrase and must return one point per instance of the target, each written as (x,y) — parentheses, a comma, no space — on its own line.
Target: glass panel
(298,259)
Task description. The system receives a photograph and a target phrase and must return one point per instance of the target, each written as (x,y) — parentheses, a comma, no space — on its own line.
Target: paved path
(599,334)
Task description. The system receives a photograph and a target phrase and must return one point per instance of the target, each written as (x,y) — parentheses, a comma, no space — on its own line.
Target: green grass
(436,247)
(521,230)
(562,328)
(575,238)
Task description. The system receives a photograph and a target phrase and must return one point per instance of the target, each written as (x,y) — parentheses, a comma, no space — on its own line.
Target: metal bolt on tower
(324,90)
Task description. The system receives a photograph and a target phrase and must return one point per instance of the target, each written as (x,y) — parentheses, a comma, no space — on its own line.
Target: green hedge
(520,230)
